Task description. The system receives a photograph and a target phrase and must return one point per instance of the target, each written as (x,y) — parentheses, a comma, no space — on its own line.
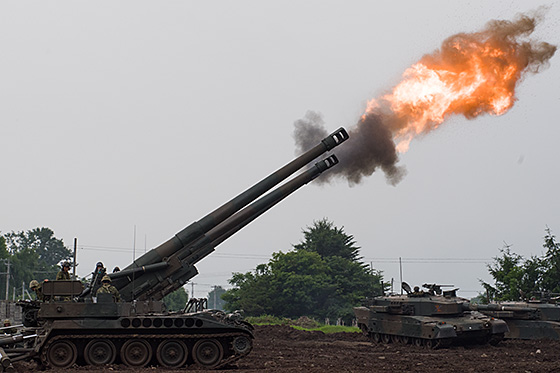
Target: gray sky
(116,115)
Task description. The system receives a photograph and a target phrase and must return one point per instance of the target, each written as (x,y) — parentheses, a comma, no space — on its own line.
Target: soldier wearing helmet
(36,287)
(109,289)
(63,274)
(98,274)
(7,329)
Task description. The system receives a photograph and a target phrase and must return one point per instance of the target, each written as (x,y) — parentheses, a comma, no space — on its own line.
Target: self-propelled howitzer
(74,327)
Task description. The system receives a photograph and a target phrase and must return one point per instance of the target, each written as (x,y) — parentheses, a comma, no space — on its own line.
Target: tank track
(121,338)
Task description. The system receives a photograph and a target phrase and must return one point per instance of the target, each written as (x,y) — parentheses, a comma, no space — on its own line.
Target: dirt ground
(283,349)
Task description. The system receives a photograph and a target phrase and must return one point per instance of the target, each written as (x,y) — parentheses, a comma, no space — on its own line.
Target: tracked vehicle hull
(428,320)
(136,334)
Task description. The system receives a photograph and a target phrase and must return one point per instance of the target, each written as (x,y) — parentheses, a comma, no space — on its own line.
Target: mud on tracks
(284,349)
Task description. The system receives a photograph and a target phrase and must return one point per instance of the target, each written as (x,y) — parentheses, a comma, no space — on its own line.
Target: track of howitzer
(283,349)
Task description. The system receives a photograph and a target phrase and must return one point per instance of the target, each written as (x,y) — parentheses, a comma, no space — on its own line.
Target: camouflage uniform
(8,323)
(36,287)
(98,274)
(62,275)
(109,289)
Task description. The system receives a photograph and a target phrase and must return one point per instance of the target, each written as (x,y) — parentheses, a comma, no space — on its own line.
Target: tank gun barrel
(215,226)
(499,307)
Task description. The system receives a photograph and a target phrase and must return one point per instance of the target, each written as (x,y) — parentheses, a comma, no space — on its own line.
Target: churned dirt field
(283,349)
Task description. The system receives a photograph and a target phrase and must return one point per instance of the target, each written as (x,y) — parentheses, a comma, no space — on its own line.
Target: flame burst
(471,74)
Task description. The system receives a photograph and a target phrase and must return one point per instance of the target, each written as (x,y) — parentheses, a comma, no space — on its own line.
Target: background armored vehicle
(429,318)
(72,326)
(533,319)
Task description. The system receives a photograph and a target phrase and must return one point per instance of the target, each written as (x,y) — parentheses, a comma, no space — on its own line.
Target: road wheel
(62,354)
(385,338)
(495,339)
(418,342)
(100,352)
(405,340)
(172,353)
(376,337)
(136,353)
(208,352)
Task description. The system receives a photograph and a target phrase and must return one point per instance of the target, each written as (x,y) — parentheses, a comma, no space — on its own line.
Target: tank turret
(431,318)
(532,319)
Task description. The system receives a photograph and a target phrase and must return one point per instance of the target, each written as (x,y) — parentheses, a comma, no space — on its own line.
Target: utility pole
(75,252)
(214,306)
(192,289)
(7,279)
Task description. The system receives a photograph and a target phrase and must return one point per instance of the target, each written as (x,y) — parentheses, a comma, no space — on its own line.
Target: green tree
(551,263)
(518,278)
(33,254)
(327,240)
(3,249)
(507,271)
(321,277)
(177,300)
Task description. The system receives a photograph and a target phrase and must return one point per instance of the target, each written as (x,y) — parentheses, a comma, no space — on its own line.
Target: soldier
(7,329)
(36,287)
(63,274)
(97,276)
(109,289)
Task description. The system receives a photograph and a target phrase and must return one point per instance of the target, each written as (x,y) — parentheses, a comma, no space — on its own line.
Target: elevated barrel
(180,269)
(200,227)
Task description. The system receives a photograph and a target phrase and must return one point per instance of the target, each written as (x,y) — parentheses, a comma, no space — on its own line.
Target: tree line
(516,277)
(29,255)
(323,276)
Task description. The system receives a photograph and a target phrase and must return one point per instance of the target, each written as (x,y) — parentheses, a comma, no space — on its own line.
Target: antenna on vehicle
(400,267)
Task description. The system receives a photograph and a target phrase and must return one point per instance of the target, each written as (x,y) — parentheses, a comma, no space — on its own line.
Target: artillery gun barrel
(198,228)
(236,222)
(184,260)
(139,270)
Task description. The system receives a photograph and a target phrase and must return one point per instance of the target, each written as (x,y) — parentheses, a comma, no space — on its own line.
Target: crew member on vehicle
(36,287)
(96,280)
(107,288)
(63,274)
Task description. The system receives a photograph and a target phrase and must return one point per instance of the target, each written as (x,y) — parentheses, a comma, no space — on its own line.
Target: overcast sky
(124,116)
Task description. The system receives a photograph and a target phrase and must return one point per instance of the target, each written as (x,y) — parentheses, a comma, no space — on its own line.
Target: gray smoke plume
(371,145)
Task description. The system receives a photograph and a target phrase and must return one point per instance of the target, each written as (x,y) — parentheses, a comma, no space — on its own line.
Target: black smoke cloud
(369,147)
